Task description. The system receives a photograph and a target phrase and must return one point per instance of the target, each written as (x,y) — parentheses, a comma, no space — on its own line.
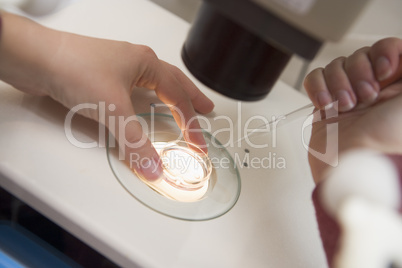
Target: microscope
(239,48)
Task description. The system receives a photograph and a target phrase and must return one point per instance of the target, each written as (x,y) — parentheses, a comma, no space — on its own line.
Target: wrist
(25,50)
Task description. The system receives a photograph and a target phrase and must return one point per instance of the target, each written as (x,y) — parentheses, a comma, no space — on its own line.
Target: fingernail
(345,102)
(151,168)
(324,99)
(365,92)
(383,68)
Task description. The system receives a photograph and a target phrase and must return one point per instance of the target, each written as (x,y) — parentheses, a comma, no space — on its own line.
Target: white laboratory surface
(273,222)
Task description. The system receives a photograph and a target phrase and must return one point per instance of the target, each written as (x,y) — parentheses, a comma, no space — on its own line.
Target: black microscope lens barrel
(229,59)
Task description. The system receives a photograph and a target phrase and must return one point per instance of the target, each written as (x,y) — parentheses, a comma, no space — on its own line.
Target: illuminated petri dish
(185,168)
(186,172)
(202,190)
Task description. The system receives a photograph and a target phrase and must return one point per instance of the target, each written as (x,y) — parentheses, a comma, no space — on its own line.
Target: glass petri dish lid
(195,186)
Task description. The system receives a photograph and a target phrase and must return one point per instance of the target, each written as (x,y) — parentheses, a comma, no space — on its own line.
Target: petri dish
(187,171)
(205,192)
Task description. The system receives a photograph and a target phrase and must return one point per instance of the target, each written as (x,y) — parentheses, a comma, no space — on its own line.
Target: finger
(201,103)
(317,89)
(397,75)
(361,75)
(339,85)
(385,55)
(171,91)
(156,75)
(134,146)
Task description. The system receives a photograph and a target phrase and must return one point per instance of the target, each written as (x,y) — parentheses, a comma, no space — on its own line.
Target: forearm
(26,49)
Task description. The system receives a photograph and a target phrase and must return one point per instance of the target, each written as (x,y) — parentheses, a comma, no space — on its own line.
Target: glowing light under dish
(186,172)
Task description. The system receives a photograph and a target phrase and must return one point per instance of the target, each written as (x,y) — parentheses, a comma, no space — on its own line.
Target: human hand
(369,118)
(75,69)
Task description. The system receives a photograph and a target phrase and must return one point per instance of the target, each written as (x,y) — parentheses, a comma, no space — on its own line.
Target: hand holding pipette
(374,124)
(368,88)
(337,82)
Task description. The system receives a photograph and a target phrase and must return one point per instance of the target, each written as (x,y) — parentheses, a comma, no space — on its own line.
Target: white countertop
(272,224)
